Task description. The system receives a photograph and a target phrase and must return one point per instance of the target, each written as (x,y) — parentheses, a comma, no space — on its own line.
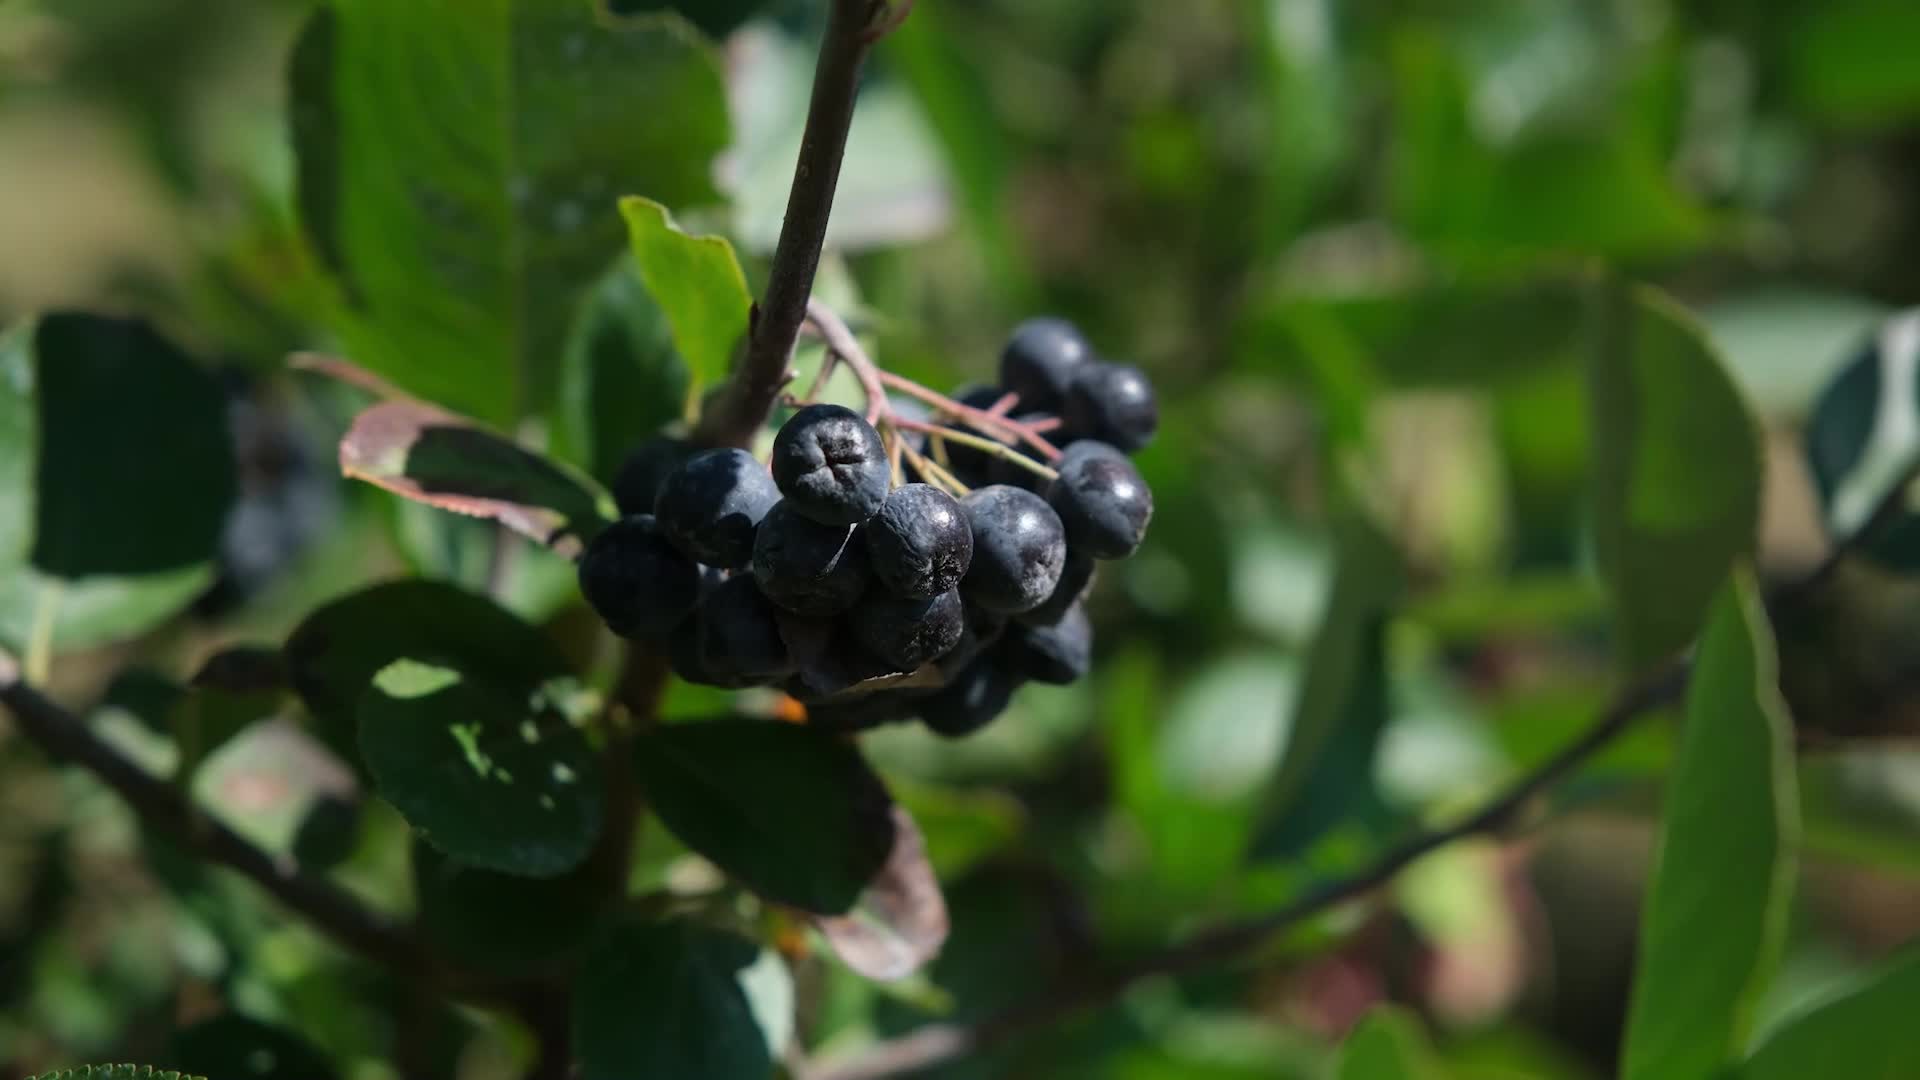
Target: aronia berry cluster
(874,600)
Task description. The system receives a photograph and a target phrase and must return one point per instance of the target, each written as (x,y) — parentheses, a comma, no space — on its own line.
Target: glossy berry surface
(740,638)
(636,580)
(1113,403)
(636,487)
(712,503)
(908,633)
(971,701)
(1076,578)
(806,567)
(1057,654)
(1041,360)
(1019,549)
(1102,501)
(920,542)
(830,463)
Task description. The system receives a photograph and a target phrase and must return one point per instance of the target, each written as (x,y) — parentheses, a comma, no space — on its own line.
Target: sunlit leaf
(1865,1032)
(696,281)
(1388,1045)
(1715,916)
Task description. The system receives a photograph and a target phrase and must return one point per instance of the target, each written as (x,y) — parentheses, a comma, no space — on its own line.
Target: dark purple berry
(740,639)
(1019,549)
(1102,501)
(1076,579)
(636,580)
(806,567)
(920,542)
(1113,403)
(712,504)
(831,464)
(1057,654)
(908,633)
(636,487)
(1041,360)
(971,701)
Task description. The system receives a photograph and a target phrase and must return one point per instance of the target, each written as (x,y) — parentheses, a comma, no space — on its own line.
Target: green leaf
(430,456)
(716,17)
(1864,435)
(1676,473)
(232,690)
(698,284)
(623,380)
(458,166)
(796,815)
(1344,699)
(505,923)
(1388,1044)
(1849,60)
(901,921)
(1864,1033)
(670,999)
(114,1072)
(233,1047)
(334,654)
(492,774)
(131,431)
(1715,915)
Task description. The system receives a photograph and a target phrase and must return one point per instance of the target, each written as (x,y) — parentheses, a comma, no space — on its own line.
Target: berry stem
(841,343)
(978,418)
(933,473)
(987,446)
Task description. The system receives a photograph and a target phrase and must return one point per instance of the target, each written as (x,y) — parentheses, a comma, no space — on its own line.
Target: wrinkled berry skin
(636,487)
(971,701)
(1113,403)
(1059,654)
(1041,360)
(920,542)
(740,639)
(806,567)
(830,463)
(1019,549)
(1102,501)
(908,633)
(638,582)
(1076,579)
(712,504)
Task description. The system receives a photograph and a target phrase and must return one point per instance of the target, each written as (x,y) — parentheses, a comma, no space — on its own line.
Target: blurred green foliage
(1489,334)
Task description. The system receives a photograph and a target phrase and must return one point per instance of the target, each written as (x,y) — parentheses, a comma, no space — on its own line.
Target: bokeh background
(1316,224)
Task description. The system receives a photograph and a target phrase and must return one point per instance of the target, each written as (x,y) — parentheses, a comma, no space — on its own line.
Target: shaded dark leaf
(232,1047)
(503,922)
(900,921)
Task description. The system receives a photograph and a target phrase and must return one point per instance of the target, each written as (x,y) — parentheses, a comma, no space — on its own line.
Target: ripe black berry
(636,580)
(740,638)
(920,542)
(1113,403)
(908,633)
(806,567)
(713,502)
(1101,500)
(972,700)
(1075,580)
(637,485)
(1041,361)
(1057,654)
(831,463)
(1019,549)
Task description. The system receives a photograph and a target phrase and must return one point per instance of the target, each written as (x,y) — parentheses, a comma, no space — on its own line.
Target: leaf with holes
(457,169)
(900,921)
(1715,916)
(337,650)
(1676,471)
(698,284)
(675,999)
(492,774)
(430,456)
(796,815)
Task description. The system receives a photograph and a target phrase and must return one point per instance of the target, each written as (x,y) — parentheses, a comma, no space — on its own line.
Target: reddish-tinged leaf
(900,921)
(346,371)
(431,456)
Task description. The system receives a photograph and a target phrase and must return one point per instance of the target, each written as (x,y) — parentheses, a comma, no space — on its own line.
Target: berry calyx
(831,464)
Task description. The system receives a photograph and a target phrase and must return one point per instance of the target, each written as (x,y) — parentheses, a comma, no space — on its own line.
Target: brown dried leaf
(900,921)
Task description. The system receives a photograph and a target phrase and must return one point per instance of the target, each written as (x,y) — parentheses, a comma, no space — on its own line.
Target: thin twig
(842,343)
(989,447)
(162,806)
(939,1043)
(1885,513)
(1008,430)
(934,474)
(743,406)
